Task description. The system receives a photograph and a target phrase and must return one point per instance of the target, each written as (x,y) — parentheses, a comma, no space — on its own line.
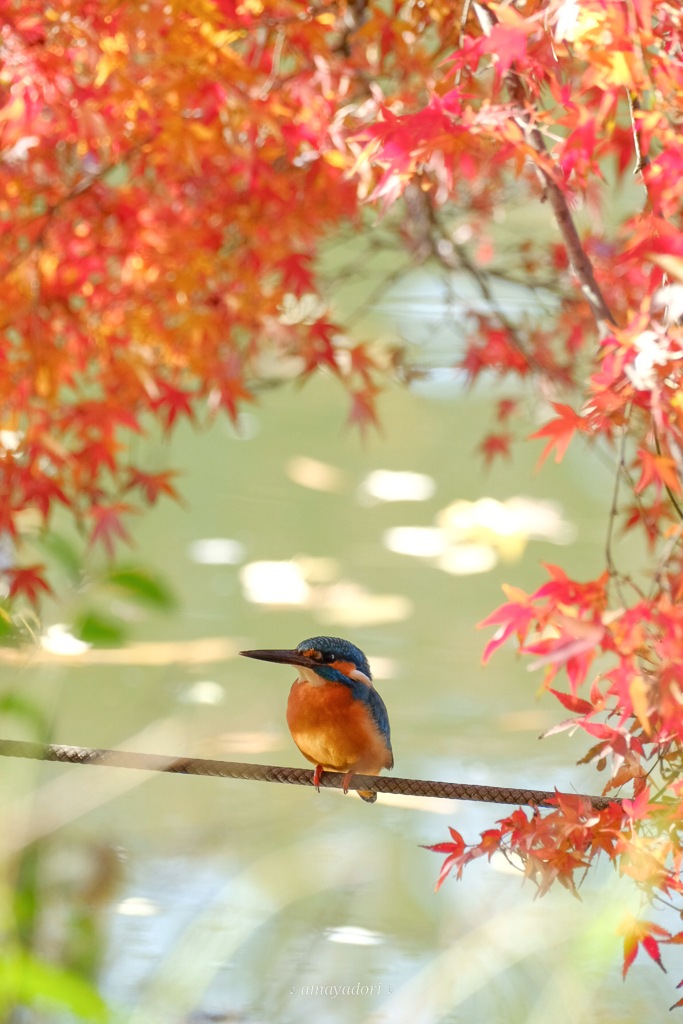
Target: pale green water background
(240,885)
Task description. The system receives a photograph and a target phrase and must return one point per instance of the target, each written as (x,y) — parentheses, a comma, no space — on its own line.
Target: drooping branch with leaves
(538,89)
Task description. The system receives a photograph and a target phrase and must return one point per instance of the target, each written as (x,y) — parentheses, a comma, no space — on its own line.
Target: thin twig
(665,556)
(461,38)
(480,278)
(666,486)
(641,160)
(275,66)
(614,574)
(360,311)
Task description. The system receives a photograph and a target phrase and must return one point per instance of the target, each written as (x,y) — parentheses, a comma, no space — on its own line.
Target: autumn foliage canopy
(168,174)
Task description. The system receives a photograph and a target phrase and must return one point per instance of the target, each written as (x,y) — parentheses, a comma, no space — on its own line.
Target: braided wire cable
(290,776)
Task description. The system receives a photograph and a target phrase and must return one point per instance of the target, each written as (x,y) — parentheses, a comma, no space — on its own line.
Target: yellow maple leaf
(334,157)
(514,594)
(202,131)
(105,66)
(114,44)
(638,694)
(620,71)
(671,265)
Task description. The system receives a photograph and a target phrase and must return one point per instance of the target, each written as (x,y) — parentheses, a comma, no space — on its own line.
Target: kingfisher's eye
(328,656)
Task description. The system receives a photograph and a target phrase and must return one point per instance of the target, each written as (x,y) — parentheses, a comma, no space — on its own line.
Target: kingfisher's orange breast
(332,729)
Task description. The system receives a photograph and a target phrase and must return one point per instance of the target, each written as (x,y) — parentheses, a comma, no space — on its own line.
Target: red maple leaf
(454,850)
(495,445)
(639,808)
(572,703)
(650,518)
(27,580)
(575,648)
(318,349)
(514,617)
(362,362)
(508,43)
(108,526)
(96,454)
(363,412)
(297,274)
(505,408)
(40,491)
(153,484)
(173,402)
(493,350)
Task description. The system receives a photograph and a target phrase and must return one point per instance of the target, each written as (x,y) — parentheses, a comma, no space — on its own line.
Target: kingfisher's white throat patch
(309,675)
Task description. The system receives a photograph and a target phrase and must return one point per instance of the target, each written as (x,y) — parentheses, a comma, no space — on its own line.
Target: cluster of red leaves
(167,173)
(633,712)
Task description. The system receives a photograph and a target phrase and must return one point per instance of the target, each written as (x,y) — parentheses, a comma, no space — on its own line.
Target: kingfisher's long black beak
(281,657)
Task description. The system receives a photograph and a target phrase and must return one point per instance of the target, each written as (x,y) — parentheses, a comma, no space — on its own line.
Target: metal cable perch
(290,776)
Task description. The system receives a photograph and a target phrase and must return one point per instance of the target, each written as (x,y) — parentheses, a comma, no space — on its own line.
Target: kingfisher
(336,717)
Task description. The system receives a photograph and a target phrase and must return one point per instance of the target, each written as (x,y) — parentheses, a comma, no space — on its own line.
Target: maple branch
(463,21)
(354,16)
(581,264)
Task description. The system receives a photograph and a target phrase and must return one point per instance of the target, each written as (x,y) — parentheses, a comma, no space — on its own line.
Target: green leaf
(26,711)
(144,587)
(63,552)
(95,629)
(27,981)
(7,626)
(117,176)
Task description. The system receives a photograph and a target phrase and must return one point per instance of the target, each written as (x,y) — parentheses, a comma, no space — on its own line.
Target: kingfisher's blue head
(328,656)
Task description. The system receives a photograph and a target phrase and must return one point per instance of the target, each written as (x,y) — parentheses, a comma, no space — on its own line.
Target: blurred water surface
(238,901)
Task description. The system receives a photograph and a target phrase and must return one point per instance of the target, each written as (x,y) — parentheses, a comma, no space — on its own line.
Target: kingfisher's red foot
(346,781)
(316,776)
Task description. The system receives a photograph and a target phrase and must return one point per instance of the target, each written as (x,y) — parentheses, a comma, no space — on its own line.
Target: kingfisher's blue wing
(378,710)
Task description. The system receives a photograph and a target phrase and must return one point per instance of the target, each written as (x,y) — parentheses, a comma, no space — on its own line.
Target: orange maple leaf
(560,432)
(659,470)
(640,933)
